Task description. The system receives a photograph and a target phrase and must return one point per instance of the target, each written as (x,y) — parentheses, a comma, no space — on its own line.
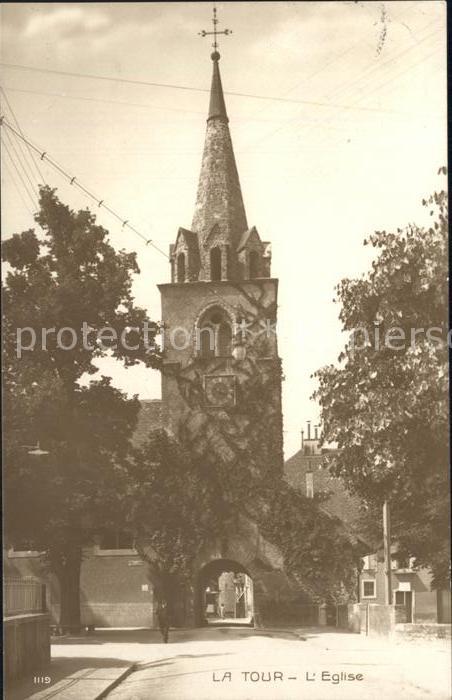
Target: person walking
(163,618)
(222,611)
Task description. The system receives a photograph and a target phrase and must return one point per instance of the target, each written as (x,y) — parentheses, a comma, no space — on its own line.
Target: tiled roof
(341,503)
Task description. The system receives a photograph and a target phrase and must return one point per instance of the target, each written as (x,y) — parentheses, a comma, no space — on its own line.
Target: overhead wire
(24,167)
(16,121)
(388,82)
(100,202)
(72,179)
(346,86)
(17,188)
(16,168)
(103,101)
(273,98)
(352,84)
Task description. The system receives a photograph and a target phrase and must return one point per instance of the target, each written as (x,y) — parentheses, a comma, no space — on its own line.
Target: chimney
(302,439)
(316,432)
(309,429)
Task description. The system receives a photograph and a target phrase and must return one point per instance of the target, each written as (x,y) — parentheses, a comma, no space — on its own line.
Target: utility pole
(387,551)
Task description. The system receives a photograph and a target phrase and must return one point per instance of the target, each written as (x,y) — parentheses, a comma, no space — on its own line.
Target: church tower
(221,378)
(219,310)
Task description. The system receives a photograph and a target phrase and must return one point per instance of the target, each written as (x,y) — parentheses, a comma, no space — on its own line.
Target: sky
(339,130)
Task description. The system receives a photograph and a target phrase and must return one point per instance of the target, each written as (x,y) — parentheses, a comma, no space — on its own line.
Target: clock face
(219,390)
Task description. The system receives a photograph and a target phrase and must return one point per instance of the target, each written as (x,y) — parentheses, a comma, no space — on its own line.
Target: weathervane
(215,32)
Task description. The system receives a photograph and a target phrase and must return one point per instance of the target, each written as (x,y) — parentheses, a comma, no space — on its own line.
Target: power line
(73,181)
(296,121)
(24,168)
(16,121)
(100,202)
(312,103)
(120,102)
(21,146)
(17,188)
(103,101)
(24,184)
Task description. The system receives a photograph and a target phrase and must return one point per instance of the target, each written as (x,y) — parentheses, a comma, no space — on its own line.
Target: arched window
(224,339)
(254,264)
(214,334)
(181,267)
(215,264)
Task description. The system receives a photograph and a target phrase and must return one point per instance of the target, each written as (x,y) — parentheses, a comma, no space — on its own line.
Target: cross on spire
(215,32)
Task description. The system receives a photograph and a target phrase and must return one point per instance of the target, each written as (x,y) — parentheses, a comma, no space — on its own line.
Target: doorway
(225,595)
(405,598)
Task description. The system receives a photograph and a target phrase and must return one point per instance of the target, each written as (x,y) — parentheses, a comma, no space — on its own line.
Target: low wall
(355,618)
(423,631)
(274,614)
(118,614)
(26,644)
(381,620)
(112,614)
(370,619)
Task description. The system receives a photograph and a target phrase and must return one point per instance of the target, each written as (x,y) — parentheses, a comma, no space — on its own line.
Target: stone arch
(213,332)
(211,571)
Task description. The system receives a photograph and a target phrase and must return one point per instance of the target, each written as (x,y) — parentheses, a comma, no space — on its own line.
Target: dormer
(184,256)
(216,256)
(253,255)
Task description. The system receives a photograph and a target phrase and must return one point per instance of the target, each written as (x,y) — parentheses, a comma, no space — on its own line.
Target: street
(317,663)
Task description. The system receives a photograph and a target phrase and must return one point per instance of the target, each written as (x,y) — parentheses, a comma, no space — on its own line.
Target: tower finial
(215,56)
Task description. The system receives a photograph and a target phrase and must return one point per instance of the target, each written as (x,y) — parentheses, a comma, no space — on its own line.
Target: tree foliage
(174,507)
(318,550)
(386,404)
(70,276)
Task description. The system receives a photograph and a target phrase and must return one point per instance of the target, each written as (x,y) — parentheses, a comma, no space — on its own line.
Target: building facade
(411,587)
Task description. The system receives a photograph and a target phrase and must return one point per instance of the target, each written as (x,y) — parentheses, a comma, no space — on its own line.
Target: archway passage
(224,594)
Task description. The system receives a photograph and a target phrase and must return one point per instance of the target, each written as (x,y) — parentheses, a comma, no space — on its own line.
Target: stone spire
(217,106)
(219,217)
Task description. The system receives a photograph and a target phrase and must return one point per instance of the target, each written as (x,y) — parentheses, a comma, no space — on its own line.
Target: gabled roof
(190,237)
(214,230)
(247,237)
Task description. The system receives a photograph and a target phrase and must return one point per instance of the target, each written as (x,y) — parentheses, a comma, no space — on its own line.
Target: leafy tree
(70,276)
(174,506)
(319,552)
(386,404)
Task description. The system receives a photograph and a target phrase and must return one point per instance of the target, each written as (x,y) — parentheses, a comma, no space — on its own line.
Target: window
(254,264)
(214,334)
(405,563)
(24,548)
(215,264)
(116,539)
(368,589)
(181,267)
(369,562)
(224,338)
